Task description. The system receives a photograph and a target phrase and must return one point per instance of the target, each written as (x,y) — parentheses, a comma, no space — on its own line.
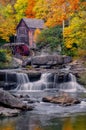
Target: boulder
(67,59)
(47,60)
(10,101)
(8,112)
(26,62)
(62,100)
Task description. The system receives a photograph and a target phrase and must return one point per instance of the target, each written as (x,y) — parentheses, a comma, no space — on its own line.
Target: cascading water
(65,82)
(49,81)
(13,80)
(22,81)
(70,84)
(22,78)
(34,86)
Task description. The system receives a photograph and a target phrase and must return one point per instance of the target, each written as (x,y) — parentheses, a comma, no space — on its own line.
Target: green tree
(51,36)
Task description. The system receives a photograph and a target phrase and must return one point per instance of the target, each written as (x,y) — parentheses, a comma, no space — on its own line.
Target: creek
(45,116)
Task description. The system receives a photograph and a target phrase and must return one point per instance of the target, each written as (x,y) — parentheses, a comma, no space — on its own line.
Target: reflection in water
(46,122)
(67,125)
(80,123)
(37,128)
(7,125)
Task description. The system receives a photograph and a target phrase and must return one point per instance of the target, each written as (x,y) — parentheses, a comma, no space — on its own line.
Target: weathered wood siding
(25,32)
(31,36)
(22,33)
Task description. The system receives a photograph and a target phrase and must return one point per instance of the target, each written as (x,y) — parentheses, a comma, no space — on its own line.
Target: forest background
(65,21)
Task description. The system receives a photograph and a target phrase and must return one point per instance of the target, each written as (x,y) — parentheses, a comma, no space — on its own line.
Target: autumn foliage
(29,11)
(54,13)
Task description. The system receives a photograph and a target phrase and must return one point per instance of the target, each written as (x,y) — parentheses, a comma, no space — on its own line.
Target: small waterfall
(22,78)
(13,80)
(49,81)
(69,84)
(65,82)
(41,84)
(22,81)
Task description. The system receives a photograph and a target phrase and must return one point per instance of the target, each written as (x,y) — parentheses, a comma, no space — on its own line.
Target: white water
(22,78)
(33,86)
(45,84)
(71,86)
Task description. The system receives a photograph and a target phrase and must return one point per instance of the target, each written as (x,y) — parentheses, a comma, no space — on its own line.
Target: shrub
(50,36)
(2,55)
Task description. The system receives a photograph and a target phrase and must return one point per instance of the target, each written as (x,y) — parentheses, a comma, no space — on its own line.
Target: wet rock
(26,99)
(67,59)
(7,112)
(47,60)
(26,62)
(64,99)
(9,101)
(34,75)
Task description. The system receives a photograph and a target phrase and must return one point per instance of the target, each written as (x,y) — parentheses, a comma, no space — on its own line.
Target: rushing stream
(47,116)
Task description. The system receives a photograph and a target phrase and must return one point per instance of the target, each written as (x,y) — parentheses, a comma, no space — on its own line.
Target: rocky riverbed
(11,105)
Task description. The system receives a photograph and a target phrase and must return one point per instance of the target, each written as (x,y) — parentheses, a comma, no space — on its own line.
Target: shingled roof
(34,23)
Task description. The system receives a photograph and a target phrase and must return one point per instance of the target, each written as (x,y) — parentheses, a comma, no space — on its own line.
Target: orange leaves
(74,4)
(29,11)
(56,10)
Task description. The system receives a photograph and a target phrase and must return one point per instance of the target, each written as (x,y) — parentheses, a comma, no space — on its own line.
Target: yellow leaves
(8,8)
(36,33)
(6,11)
(42,9)
(69,39)
(7,28)
(20,3)
(7,21)
(69,43)
(20,8)
(56,10)
(67,31)
(75,34)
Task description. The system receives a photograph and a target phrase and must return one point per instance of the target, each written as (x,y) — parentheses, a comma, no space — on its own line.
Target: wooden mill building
(26,28)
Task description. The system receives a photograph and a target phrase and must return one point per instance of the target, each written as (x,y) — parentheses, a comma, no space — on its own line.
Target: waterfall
(65,82)
(13,80)
(41,84)
(22,81)
(69,84)
(50,81)
(22,78)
